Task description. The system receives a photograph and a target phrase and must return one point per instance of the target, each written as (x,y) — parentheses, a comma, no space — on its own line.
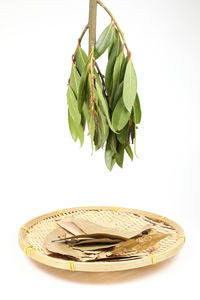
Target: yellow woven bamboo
(32,237)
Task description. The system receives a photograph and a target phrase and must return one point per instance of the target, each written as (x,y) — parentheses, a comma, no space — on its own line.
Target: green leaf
(123,69)
(119,156)
(85,107)
(132,131)
(98,139)
(104,41)
(120,116)
(109,157)
(109,74)
(123,136)
(129,152)
(111,45)
(117,44)
(72,127)
(86,113)
(80,134)
(74,80)
(117,95)
(75,129)
(81,59)
(83,120)
(98,78)
(96,98)
(113,142)
(104,105)
(82,91)
(130,86)
(114,52)
(73,106)
(104,127)
(137,110)
(116,73)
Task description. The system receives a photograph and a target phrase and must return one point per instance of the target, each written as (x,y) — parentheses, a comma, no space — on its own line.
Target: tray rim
(99,266)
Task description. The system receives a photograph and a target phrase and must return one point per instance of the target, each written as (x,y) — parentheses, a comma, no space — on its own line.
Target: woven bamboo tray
(32,237)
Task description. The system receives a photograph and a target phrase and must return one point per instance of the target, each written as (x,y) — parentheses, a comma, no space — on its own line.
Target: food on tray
(82,240)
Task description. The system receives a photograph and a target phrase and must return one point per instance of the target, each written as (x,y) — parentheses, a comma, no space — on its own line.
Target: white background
(43,170)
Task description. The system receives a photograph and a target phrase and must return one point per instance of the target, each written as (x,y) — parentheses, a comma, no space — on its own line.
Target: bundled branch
(109,104)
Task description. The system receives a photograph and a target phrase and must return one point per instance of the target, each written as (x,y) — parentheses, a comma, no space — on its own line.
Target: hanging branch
(109,105)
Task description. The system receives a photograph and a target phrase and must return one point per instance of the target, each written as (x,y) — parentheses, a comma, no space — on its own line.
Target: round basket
(33,234)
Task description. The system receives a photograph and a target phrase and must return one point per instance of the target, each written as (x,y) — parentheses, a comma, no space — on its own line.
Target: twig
(116,24)
(79,42)
(102,80)
(99,72)
(82,34)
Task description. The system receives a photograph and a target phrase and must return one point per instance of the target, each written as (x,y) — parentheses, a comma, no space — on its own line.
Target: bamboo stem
(92,23)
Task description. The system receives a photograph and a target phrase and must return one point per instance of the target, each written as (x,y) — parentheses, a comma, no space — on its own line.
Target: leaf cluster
(109,104)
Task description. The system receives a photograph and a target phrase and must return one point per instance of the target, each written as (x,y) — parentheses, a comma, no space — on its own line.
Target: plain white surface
(43,170)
